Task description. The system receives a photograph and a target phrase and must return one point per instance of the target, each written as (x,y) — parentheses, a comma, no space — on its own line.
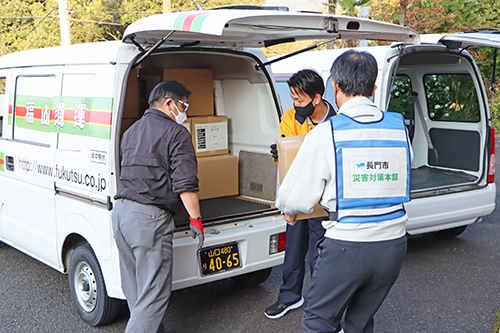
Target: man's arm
(305,181)
(287,124)
(192,204)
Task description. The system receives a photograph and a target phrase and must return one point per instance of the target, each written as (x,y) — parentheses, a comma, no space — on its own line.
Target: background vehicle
(441,94)
(66,108)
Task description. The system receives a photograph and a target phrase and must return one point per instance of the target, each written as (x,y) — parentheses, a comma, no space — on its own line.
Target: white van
(64,110)
(439,90)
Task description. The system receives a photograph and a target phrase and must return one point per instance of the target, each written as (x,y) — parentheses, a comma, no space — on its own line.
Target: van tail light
(491,170)
(277,243)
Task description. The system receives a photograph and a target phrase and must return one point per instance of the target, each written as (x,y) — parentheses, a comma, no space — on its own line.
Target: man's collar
(157,112)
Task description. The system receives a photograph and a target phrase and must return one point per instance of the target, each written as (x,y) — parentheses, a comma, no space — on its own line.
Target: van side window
(3,102)
(401,96)
(452,97)
(32,109)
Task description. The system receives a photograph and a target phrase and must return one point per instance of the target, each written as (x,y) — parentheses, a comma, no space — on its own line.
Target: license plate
(219,258)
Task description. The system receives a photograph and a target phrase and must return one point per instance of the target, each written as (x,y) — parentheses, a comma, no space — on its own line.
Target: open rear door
(464,40)
(257,28)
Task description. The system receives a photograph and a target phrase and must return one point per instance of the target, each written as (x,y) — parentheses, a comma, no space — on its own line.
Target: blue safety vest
(373,168)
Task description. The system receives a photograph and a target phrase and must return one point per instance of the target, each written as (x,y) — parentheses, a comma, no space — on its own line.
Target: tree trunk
(402,11)
(331,10)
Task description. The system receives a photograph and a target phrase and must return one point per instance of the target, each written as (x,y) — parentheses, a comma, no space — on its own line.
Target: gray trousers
(143,234)
(354,277)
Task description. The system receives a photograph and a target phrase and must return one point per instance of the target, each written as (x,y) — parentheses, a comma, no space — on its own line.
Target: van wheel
(450,233)
(252,279)
(88,292)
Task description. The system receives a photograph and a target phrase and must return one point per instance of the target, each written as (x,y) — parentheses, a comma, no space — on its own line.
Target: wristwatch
(197,219)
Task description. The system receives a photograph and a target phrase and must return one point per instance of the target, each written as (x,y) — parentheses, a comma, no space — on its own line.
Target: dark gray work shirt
(158,162)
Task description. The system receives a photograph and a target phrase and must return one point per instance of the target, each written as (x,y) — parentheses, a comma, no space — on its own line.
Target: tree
(27,24)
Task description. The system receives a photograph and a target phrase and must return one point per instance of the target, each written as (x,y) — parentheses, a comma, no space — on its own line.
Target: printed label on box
(211,136)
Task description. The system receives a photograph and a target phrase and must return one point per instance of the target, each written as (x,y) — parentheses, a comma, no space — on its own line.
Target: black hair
(307,81)
(172,89)
(355,72)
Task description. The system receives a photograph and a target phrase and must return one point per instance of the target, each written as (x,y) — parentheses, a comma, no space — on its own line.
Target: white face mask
(180,117)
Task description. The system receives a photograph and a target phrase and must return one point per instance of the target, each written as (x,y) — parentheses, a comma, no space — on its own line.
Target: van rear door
(257,28)
(468,40)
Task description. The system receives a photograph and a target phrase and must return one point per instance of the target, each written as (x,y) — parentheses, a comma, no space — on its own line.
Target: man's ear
(373,91)
(335,87)
(317,99)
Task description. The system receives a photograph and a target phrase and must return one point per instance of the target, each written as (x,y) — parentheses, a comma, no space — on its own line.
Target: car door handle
(10,163)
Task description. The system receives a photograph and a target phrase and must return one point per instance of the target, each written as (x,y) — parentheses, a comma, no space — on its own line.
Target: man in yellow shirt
(306,90)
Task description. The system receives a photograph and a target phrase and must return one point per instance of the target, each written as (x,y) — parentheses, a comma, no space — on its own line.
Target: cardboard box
(200,81)
(210,135)
(218,176)
(148,79)
(287,150)
(188,124)
(132,107)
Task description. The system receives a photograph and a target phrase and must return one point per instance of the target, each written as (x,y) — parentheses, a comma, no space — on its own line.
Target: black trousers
(300,238)
(354,277)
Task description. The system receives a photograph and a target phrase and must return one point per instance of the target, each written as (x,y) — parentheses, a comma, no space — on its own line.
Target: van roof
(87,53)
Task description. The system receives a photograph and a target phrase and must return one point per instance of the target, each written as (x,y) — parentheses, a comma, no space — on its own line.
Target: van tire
(252,279)
(87,288)
(451,233)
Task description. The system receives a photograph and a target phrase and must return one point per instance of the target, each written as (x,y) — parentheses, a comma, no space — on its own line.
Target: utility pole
(332,5)
(64,22)
(365,12)
(166,7)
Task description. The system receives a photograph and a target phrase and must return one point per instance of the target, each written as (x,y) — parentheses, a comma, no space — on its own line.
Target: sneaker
(278,310)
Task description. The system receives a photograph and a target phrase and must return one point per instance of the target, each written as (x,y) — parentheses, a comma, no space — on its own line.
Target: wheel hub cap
(85,286)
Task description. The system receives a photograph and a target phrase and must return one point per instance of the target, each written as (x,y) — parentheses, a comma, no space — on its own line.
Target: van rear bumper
(252,237)
(450,210)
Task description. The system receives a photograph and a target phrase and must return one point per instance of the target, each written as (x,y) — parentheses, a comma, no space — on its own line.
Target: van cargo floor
(427,178)
(224,207)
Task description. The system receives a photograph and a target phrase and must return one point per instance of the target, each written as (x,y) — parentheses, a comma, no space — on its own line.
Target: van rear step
(225,207)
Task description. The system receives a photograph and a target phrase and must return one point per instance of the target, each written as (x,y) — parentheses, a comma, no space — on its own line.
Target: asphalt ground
(450,285)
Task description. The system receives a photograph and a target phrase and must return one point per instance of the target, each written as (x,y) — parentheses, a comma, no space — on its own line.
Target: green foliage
(452,97)
(401,96)
(449,16)
(28,24)
(350,6)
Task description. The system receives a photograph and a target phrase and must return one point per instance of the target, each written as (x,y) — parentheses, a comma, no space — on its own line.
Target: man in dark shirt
(158,167)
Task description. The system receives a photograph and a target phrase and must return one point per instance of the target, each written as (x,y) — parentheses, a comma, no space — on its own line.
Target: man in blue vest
(357,166)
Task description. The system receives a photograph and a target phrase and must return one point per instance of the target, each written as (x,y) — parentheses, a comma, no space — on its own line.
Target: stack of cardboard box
(217,170)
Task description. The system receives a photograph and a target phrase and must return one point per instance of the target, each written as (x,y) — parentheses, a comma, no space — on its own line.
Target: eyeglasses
(186,105)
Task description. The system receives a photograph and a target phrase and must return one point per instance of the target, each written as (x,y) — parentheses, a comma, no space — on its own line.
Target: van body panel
(88,53)
(253,28)
(31,147)
(77,217)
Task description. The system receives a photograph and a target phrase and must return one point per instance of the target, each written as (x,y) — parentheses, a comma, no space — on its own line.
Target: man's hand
(274,152)
(290,219)
(197,227)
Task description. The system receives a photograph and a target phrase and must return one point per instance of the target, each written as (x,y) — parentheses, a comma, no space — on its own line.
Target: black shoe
(278,310)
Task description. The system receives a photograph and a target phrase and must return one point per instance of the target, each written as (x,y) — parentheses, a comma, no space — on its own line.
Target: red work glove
(197,227)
